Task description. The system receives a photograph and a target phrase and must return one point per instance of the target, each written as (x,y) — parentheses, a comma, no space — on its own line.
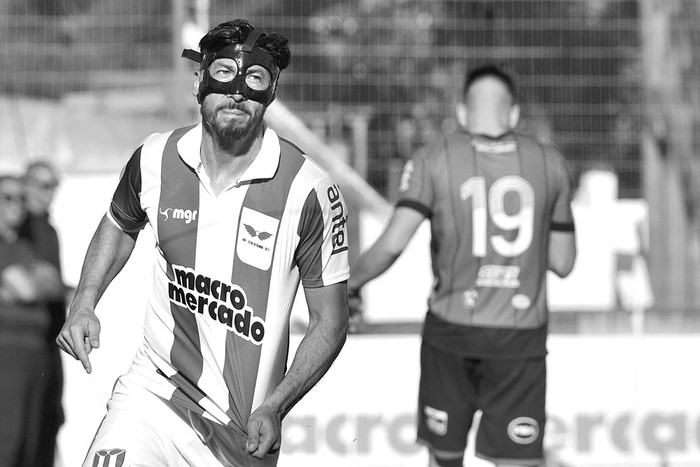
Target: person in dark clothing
(40,183)
(27,284)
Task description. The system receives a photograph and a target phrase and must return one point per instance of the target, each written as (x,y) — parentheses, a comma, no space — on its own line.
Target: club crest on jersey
(221,301)
(256,238)
(109,458)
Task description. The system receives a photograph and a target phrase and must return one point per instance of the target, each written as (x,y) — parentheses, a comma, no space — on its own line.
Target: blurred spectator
(40,183)
(27,284)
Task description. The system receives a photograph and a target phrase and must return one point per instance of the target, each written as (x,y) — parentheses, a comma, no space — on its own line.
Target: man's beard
(228,132)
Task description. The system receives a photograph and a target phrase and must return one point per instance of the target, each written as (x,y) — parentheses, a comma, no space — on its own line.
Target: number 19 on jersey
(489,204)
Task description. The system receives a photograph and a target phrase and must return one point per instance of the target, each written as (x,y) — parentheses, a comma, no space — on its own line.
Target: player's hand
(264,428)
(355,308)
(79,335)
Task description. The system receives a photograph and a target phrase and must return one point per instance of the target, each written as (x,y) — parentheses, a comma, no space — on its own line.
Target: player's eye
(258,78)
(223,70)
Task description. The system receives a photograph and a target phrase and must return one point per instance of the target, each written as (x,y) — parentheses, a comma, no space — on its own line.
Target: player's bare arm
(109,250)
(386,250)
(562,252)
(328,325)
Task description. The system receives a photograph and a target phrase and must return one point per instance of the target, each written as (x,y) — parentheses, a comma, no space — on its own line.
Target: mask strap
(192,55)
(252,39)
(248,45)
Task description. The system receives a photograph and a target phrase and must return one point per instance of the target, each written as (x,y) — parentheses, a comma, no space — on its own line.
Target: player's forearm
(109,250)
(371,264)
(315,355)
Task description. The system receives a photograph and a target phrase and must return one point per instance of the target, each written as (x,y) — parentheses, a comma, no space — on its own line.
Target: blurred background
(614,84)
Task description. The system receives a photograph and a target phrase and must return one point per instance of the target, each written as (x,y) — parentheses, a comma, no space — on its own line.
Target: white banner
(612,400)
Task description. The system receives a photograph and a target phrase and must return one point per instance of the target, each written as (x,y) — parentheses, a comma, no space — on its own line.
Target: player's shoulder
(439,148)
(531,145)
(157,140)
(311,171)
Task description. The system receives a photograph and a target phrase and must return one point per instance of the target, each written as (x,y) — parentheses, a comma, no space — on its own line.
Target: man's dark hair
(236,32)
(492,71)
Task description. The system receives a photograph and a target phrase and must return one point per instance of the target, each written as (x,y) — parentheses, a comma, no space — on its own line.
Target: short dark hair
(492,71)
(236,32)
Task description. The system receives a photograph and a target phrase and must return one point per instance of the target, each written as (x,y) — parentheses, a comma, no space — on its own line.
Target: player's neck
(226,163)
(490,131)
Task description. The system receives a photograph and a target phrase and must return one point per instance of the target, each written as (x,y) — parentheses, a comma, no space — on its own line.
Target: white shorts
(142,429)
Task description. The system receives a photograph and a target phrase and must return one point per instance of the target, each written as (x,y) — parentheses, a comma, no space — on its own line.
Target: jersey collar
(263,167)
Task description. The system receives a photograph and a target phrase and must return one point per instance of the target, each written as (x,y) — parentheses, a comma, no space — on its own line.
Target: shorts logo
(523,430)
(256,238)
(436,420)
(109,458)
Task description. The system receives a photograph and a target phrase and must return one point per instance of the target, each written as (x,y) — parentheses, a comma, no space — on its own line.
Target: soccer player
(499,209)
(241,217)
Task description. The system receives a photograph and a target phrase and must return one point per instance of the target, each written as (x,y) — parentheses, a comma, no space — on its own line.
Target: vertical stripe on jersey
(533,167)
(462,165)
(268,197)
(311,221)
(177,239)
(125,207)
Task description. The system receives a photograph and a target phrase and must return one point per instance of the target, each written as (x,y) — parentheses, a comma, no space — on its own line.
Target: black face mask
(238,69)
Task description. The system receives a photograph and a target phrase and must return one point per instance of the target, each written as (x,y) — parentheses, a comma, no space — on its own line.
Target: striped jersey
(492,203)
(228,266)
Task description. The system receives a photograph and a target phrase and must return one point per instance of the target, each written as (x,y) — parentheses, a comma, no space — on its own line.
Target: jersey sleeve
(322,253)
(415,188)
(125,210)
(562,217)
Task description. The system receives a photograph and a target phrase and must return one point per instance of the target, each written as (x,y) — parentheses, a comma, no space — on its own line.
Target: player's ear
(197,80)
(462,114)
(514,116)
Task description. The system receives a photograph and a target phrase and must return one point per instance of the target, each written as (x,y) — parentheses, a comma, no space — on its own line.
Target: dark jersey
(491,204)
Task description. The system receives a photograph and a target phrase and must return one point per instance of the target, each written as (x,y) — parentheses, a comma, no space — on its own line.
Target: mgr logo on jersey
(109,458)
(256,238)
(185,215)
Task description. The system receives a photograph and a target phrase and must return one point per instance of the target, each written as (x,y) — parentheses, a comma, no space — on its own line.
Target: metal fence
(395,67)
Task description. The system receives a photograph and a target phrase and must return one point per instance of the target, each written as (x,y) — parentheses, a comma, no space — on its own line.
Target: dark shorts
(510,394)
